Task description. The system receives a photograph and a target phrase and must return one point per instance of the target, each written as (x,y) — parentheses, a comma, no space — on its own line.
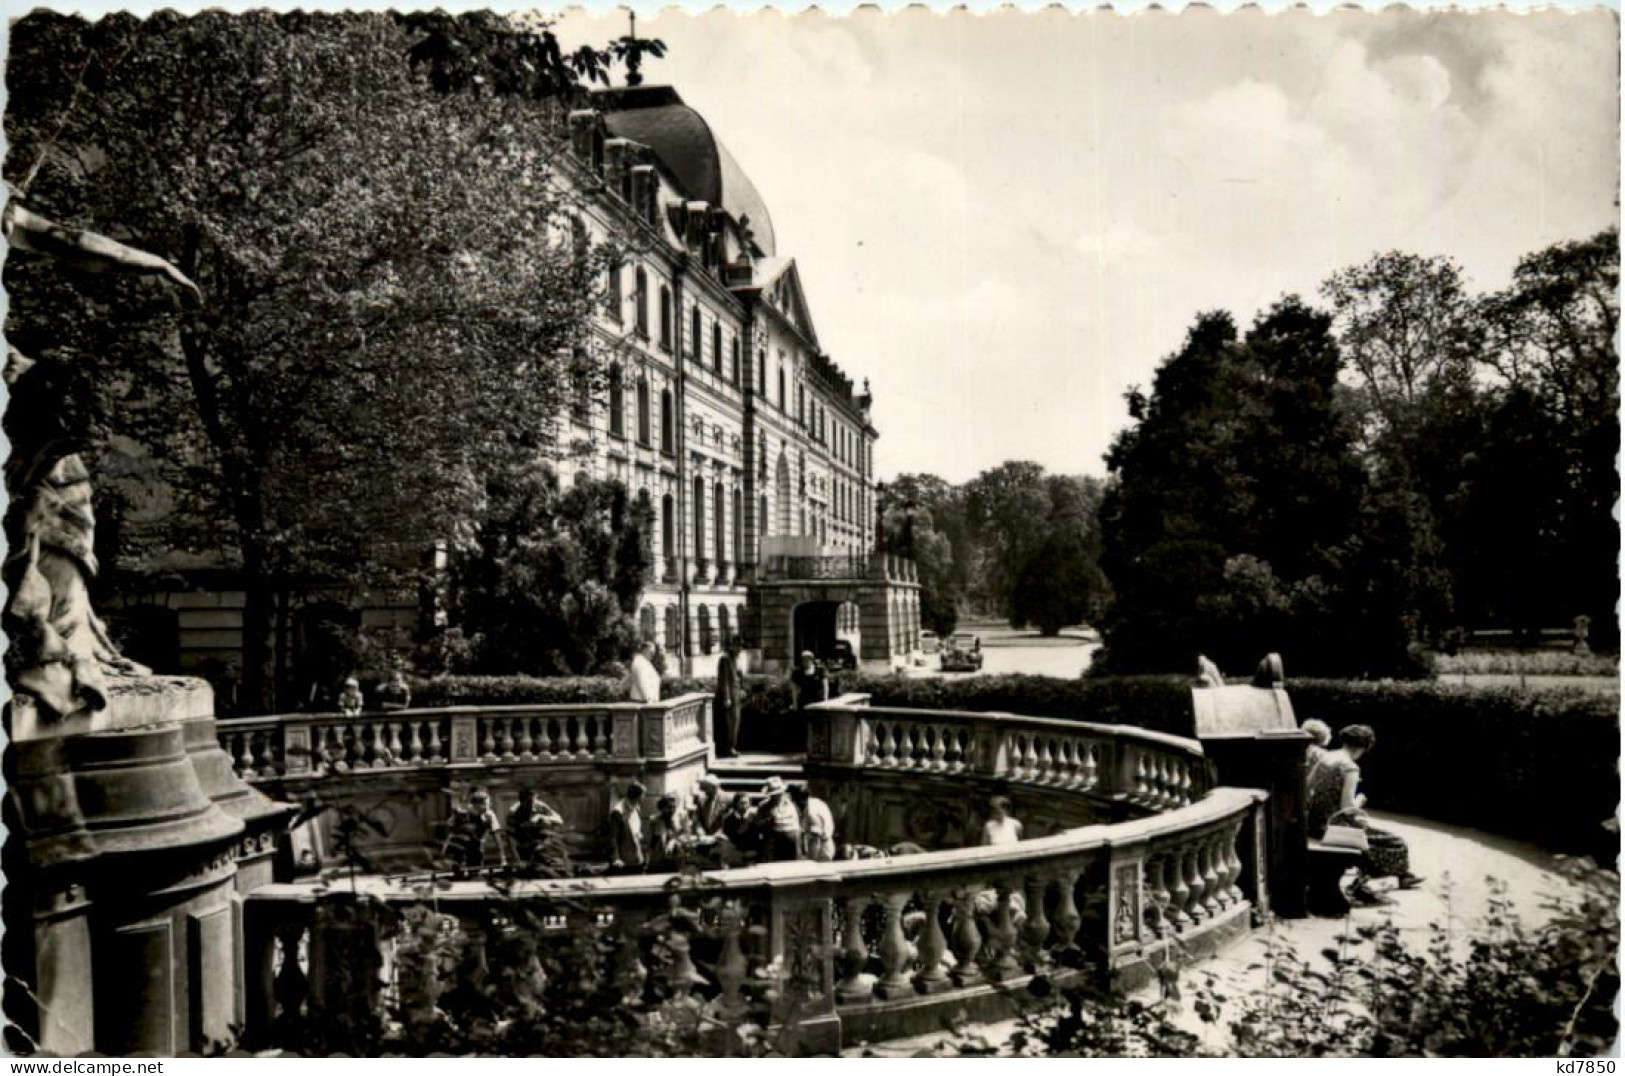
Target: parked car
(929,642)
(962,652)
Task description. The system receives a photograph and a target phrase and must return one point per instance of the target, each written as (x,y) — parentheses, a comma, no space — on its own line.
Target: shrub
(1525,663)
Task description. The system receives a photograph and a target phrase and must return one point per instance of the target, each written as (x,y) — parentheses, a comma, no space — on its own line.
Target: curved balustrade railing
(1149,769)
(879,948)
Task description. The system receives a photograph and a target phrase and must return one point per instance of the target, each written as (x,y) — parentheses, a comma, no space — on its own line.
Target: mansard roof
(657,117)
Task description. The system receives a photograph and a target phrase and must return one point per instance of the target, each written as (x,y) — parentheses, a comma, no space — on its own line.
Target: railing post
(297,744)
(464,745)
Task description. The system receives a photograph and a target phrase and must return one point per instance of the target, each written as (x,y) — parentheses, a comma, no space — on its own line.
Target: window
(781,388)
(707,640)
(612,294)
(695,326)
(716,348)
(724,625)
(719,533)
(646,624)
(699,519)
(801,404)
(761,371)
(643,410)
(737,361)
(665,317)
(668,540)
(640,301)
(739,526)
(580,387)
(617,403)
(674,630)
(761,517)
(666,430)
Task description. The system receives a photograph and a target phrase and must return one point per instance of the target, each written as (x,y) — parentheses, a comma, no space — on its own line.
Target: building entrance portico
(806,602)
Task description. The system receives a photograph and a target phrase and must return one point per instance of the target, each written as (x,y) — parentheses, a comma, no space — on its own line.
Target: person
(642,679)
(1001,828)
(817,825)
(710,809)
(779,822)
(470,826)
(627,854)
(812,686)
(739,828)
(393,693)
(668,831)
(350,700)
(1334,800)
(726,703)
(1320,737)
(531,825)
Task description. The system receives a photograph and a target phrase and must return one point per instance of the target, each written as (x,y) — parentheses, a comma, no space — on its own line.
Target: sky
(1005,221)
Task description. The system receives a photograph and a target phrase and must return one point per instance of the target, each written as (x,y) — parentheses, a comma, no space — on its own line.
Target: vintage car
(929,641)
(962,652)
(842,656)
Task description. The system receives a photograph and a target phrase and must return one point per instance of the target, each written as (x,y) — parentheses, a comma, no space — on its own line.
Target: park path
(1455,862)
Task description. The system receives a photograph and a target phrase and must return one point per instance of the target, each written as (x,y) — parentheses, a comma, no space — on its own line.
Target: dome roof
(685,144)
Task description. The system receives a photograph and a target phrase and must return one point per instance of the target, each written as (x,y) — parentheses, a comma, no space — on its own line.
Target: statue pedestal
(133,827)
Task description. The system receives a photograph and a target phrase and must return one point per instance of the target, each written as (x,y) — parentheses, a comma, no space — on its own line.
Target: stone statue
(1207,673)
(60,653)
(1270,672)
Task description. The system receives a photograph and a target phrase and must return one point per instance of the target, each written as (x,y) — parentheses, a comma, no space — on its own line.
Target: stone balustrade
(292,745)
(1146,855)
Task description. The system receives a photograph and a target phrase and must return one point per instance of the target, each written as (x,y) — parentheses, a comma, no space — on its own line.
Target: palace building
(752,449)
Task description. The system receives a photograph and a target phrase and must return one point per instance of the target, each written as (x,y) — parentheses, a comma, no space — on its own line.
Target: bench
(1327,863)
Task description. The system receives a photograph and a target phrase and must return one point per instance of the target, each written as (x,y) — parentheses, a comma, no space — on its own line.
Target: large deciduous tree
(392,280)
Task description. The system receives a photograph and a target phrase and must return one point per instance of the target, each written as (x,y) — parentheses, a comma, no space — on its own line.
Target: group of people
(715,831)
(393,693)
(1332,797)
(531,841)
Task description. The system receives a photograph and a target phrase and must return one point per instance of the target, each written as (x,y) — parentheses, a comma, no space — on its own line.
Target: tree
(1000,507)
(552,579)
(393,280)
(909,528)
(1240,520)
(1061,583)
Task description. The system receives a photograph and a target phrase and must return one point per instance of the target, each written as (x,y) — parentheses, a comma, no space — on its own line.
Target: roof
(657,117)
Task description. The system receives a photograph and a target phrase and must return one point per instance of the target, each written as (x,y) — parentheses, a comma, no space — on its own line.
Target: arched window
(739,526)
(674,629)
(716,347)
(640,301)
(762,524)
(708,641)
(643,411)
(719,533)
(617,403)
(612,294)
(736,361)
(646,624)
(695,340)
(667,445)
(668,523)
(699,519)
(725,629)
(665,317)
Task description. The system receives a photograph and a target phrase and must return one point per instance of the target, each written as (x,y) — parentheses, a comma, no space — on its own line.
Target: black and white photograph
(779,532)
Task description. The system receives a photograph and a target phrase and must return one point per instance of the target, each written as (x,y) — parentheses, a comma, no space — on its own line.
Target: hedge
(1540,766)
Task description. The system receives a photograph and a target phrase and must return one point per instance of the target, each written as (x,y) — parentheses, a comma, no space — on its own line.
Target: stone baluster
(1179,894)
(1067,918)
(1142,778)
(1232,860)
(630,972)
(504,738)
(572,726)
(886,747)
(933,947)
(896,979)
(1212,897)
(1045,772)
(527,744)
(854,955)
(1193,882)
(434,749)
(389,742)
(681,975)
(1091,766)
(1156,914)
(411,749)
(967,939)
(487,744)
(870,732)
(1036,929)
(1002,936)
(592,723)
(732,968)
(243,754)
(939,749)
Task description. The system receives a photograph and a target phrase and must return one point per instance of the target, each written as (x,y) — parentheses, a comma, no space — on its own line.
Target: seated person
(534,831)
(350,701)
(739,831)
(1320,738)
(710,807)
(468,829)
(1001,828)
(817,825)
(393,693)
(667,836)
(778,822)
(1333,800)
